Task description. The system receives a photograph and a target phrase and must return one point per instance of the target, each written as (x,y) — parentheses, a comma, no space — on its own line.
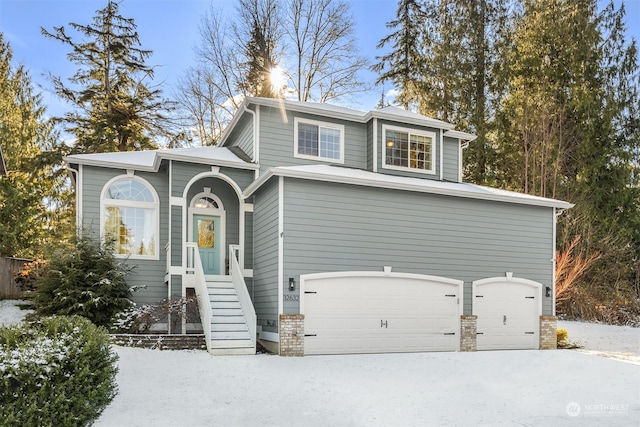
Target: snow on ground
(10,313)
(493,388)
(497,388)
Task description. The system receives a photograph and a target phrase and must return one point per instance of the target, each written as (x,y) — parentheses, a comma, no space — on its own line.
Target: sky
(170,29)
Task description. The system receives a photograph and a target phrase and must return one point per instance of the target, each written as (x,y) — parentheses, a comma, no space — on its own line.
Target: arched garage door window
(129,216)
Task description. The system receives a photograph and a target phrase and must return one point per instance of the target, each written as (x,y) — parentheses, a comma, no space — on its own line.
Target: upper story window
(408,149)
(319,140)
(130,216)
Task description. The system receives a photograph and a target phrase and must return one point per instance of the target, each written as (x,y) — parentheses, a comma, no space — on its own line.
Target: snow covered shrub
(142,319)
(56,371)
(86,280)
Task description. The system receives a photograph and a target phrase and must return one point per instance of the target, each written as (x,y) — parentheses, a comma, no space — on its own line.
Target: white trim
(256,144)
(375,145)
(460,148)
(409,132)
(248,207)
(79,196)
(326,125)
(176,201)
(377,180)
(280,247)
(155,205)
(463,136)
(169,234)
(441,152)
(397,275)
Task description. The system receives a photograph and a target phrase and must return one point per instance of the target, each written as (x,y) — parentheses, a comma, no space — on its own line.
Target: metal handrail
(240,285)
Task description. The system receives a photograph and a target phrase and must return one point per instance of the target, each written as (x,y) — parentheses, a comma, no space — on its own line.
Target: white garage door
(508,311)
(371,312)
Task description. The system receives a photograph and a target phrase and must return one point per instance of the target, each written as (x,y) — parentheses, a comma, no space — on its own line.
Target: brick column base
(548,332)
(292,335)
(468,333)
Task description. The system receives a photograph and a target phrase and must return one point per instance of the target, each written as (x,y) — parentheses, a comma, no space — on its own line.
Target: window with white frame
(409,149)
(319,140)
(130,217)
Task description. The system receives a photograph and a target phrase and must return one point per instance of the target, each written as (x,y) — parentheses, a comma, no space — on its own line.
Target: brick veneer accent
(161,342)
(468,333)
(292,335)
(548,332)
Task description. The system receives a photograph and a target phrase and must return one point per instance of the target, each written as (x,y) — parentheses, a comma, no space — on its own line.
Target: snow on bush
(58,370)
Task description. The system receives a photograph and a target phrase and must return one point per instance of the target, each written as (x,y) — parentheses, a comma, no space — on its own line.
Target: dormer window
(319,140)
(408,149)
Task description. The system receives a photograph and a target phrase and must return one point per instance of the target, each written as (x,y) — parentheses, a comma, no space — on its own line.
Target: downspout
(463,145)
(441,155)
(256,148)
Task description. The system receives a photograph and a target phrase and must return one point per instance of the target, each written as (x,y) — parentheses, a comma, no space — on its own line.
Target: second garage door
(508,311)
(371,312)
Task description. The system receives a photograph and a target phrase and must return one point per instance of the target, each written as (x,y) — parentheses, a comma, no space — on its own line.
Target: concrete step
(250,351)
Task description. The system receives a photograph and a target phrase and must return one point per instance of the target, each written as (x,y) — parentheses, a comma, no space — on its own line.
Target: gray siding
(176,235)
(451,152)
(181,174)
(265,256)
(277,140)
(337,227)
(248,240)
(145,272)
(242,135)
(370,143)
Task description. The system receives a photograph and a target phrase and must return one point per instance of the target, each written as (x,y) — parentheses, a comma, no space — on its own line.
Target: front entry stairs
(229,329)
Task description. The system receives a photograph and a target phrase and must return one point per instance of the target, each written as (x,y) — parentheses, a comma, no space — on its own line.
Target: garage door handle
(310,335)
(449,333)
(450,296)
(309,292)
(529,333)
(384,323)
(479,333)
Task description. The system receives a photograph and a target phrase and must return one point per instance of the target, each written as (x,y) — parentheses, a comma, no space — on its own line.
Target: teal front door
(207,233)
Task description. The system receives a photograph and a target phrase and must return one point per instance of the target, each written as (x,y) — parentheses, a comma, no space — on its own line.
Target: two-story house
(320,229)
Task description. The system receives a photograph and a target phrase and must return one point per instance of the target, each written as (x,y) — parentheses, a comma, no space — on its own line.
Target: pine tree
(34,196)
(114,109)
(404,64)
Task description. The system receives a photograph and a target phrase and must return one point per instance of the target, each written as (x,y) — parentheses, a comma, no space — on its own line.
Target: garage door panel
(380,314)
(507,314)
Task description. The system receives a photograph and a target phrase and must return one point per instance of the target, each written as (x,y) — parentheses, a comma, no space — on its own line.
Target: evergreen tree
(114,109)
(404,65)
(35,198)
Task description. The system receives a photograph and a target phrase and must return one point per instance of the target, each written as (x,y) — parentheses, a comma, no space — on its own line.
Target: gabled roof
(341,113)
(150,160)
(3,165)
(344,175)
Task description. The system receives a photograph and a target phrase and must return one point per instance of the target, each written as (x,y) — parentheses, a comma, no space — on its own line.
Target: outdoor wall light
(547,291)
(292,284)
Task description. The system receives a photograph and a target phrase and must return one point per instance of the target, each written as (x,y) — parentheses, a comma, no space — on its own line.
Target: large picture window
(129,217)
(408,149)
(319,140)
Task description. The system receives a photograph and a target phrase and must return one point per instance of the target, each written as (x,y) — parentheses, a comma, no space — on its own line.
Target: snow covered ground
(10,313)
(497,388)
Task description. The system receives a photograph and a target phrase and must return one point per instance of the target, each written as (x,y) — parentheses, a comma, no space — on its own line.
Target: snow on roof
(401,114)
(373,179)
(150,160)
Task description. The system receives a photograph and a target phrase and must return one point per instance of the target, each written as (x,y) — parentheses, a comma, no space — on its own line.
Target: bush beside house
(55,371)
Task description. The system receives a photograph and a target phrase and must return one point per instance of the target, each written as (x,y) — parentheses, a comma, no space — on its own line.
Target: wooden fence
(8,268)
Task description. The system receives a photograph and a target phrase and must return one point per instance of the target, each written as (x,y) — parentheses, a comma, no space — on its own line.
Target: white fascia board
(114,165)
(310,108)
(462,136)
(406,186)
(234,120)
(203,160)
(425,121)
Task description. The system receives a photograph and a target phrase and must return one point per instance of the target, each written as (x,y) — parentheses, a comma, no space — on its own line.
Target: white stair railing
(243,293)
(194,278)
